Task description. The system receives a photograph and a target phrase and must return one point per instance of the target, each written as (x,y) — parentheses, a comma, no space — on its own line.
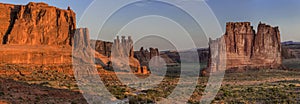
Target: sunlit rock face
(36,36)
(36,33)
(36,24)
(246,49)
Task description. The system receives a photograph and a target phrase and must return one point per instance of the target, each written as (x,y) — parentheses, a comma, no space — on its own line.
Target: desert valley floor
(253,86)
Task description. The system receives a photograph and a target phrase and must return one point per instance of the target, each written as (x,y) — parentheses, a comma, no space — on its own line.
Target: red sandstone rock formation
(245,48)
(103,47)
(144,56)
(36,34)
(36,24)
(267,46)
(37,55)
(122,54)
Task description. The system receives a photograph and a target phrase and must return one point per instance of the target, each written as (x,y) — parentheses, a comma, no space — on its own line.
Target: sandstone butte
(37,34)
(36,24)
(240,48)
(144,57)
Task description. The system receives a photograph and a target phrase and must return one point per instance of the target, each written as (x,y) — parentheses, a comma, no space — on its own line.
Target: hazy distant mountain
(290,43)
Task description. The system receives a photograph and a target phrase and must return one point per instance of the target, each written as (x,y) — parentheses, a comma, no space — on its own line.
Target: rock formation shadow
(13,17)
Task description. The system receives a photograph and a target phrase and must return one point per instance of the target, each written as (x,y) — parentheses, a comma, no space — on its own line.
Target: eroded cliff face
(102,47)
(267,45)
(36,24)
(245,48)
(36,35)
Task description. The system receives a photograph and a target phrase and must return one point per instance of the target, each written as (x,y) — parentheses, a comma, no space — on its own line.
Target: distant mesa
(241,48)
(290,43)
(290,50)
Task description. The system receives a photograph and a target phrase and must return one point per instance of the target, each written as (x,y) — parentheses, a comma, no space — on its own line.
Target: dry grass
(261,86)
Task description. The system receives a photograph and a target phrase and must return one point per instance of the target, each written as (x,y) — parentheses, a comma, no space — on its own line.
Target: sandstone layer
(38,55)
(246,49)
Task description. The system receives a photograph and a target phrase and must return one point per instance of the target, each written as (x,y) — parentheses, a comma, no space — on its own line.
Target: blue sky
(282,13)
